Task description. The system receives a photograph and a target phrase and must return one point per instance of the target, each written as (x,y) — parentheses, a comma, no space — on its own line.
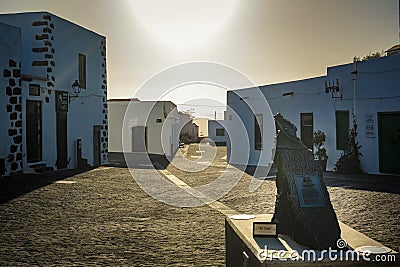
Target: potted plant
(321,157)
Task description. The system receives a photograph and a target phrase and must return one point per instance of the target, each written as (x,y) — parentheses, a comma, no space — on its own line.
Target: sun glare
(182,24)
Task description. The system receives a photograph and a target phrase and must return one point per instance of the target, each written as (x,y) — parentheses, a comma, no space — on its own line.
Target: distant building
(203,126)
(394,50)
(307,104)
(189,131)
(45,125)
(150,126)
(217,132)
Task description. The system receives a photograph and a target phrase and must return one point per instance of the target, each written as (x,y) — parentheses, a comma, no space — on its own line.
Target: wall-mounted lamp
(76,88)
(334,89)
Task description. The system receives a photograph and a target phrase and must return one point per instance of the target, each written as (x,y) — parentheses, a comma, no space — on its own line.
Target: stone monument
(303,209)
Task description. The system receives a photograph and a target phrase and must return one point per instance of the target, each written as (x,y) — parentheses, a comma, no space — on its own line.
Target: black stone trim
(14,110)
(40,23)
(40,49)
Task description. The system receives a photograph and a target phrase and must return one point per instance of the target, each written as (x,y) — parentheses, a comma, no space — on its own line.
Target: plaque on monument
(264,229)
(309,191)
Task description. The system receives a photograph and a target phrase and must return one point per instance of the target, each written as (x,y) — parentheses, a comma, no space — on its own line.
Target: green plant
(349,161)
(319,139)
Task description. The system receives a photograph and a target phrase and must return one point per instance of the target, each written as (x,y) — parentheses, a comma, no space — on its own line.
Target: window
(342,129)
(258,126)
(220,132)
(307,129)
(82,70)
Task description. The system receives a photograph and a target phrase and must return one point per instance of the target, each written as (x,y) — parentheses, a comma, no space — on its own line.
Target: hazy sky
(270,41)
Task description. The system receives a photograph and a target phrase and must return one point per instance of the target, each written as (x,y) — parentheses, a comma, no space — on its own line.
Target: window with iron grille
(220,132)
(82,70)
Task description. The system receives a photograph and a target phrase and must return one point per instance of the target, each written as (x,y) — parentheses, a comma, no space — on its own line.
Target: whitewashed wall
(59,42)
(242,105)
(213,125)
(163,137)
(377,88)
(10,102)
(203,126)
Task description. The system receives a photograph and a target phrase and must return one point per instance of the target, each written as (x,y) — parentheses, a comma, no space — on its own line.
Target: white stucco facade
(217,132)
(49,63)
(158,119)
(203,126)
(11,137)
(377,109)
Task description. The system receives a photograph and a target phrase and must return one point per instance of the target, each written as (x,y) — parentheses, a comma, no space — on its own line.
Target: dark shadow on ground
(12,187)
(262,173)
(368,182)
(138,160)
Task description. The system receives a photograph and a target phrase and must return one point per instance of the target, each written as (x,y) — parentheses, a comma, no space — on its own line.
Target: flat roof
(47,12)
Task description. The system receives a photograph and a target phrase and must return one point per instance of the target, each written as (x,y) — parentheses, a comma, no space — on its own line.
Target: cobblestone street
(102,217)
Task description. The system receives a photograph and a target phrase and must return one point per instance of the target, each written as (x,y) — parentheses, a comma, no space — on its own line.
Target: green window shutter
(82,70)
(342,129)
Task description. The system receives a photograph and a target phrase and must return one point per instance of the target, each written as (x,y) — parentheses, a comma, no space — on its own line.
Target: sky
(269,41)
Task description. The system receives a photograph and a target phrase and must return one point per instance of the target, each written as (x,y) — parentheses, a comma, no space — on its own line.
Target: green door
(389,142)
(34,131)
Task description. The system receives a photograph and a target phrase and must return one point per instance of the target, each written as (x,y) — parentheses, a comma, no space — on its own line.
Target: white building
(45,125)
(203,126)
(143,126)
(310,108)
(217,132)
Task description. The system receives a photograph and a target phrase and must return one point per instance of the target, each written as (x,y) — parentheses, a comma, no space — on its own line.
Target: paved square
(102,217)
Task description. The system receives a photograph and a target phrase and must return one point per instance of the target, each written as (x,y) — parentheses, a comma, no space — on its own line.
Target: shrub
(319,139)
(349,161)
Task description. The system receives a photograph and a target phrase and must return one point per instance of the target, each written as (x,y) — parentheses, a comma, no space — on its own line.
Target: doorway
(33,131)
(139,139)
(62,129)
(96,145)
(307,129)
(389,142)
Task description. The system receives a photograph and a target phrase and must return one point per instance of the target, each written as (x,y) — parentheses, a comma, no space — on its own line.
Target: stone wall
(11,149)
(43,46)
(104,126)
(12,76)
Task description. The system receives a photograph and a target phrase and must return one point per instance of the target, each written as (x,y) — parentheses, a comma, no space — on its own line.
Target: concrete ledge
(242,249)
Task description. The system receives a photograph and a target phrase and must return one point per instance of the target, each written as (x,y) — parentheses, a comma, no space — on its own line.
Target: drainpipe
(354,72)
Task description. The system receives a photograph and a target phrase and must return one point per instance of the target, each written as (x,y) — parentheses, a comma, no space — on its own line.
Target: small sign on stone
(264,229)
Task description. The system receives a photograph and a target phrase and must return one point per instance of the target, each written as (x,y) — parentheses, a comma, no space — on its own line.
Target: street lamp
(76,88)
